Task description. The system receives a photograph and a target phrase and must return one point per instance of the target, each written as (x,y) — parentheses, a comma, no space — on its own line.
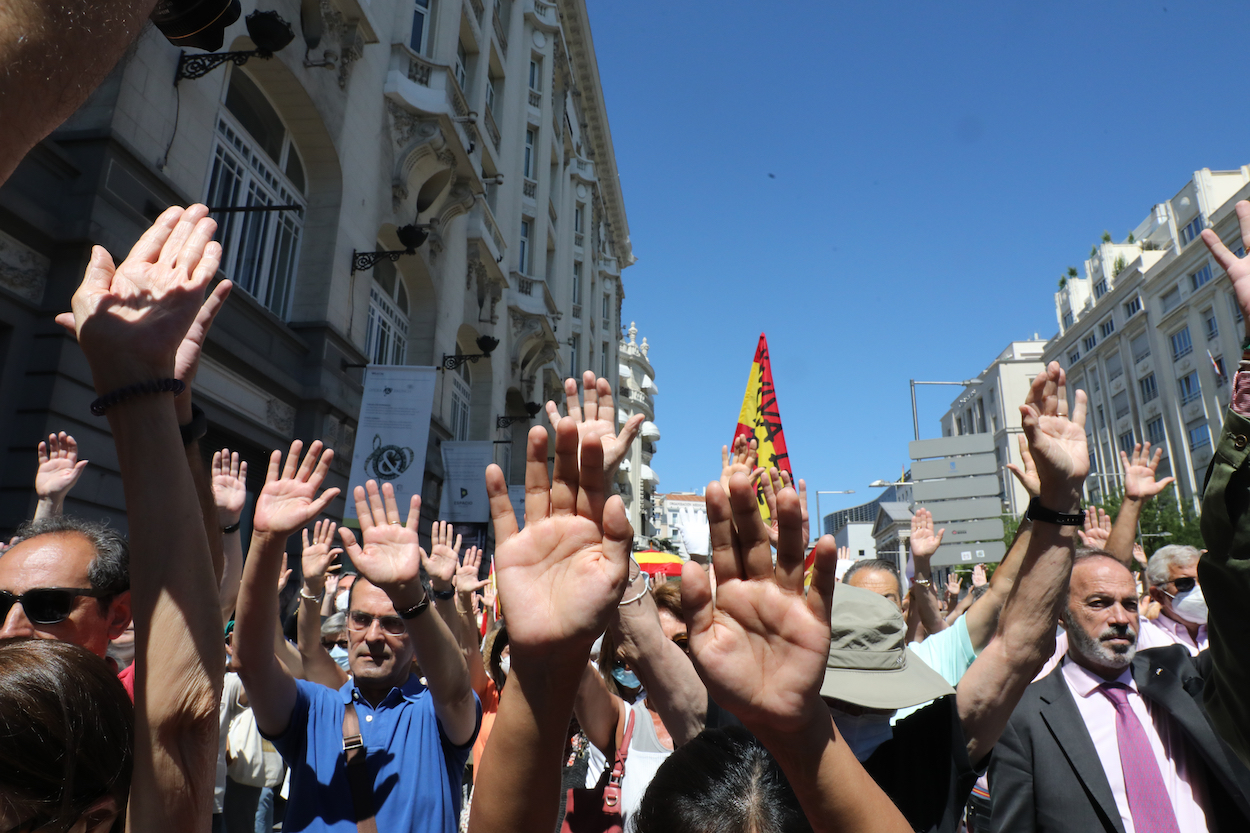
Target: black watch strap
(1037,512)
(416,610)
(196,428)
(444,595)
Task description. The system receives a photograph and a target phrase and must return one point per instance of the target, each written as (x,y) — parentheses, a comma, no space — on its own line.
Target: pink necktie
(1148,799)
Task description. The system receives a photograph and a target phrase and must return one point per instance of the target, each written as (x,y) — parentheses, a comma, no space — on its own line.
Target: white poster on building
(516,494)
(392,433)
(464,481)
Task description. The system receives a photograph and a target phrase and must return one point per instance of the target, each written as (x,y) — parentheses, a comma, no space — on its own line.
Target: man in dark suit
(1115,739)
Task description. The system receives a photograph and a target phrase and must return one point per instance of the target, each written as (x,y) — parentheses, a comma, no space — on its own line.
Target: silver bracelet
(309,598)
(646,588)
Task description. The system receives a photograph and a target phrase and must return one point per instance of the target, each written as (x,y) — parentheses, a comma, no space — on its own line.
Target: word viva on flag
(760,418)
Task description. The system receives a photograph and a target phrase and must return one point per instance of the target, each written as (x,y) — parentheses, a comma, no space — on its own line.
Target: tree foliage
(1161,523)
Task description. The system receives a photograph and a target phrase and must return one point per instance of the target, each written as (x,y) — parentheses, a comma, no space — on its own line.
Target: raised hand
(466,580)
(745,459)
(187,360)
(1139,473)
(130,319)
(978,576)
(229,478)
(596,418)
(283,578)
(1028,474)
(59,468)
(561,576)
(1238,269)
(760,646)
(924,541)
(1097,529)
(1139,555)
(319,553)
(1056,443)
(290,498)
(773,481)
(391,556)
(444,555)
(953,585)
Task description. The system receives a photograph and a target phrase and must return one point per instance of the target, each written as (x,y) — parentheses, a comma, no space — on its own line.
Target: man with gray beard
(1115,739)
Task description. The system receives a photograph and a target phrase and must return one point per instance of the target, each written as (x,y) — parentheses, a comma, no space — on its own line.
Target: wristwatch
(443,595)
(1037,512)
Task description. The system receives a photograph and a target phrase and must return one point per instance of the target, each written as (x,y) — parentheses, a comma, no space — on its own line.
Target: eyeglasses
(1183,584)
(360,621)
(682,641)
(342,643)
(47,605)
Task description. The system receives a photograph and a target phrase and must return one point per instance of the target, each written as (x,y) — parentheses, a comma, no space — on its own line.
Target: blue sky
(935,167)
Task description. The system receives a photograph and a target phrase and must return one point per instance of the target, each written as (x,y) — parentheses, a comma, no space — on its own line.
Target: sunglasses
(330,643)
(360,621)
(682,641)
(1184,584)
(47,605)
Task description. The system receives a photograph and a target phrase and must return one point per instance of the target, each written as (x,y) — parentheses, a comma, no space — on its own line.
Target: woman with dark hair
(66,735)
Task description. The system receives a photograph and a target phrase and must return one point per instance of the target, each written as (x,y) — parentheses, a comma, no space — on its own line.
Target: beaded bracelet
(108,400)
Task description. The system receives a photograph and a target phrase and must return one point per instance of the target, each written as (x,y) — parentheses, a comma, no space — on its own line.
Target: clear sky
(889,191)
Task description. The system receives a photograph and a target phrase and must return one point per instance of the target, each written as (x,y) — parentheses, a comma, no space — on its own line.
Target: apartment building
(1150,330)
(636,480)
(681,517)
(468,140)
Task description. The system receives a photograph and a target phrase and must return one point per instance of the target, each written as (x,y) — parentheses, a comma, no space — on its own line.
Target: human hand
(319,553)
(978,576)
(773,481)
(953,585)
(466,581)
(229,478)
(284,577)
(289,500)
(59,468)
(924,541)
(332,582)
(1139,555)
(760,645)
(1097,529)
(1139,473)
(187,360)
(1238,269)
(444,556)
(130,319)
(1028,474)
(488,596)
(1056,443)
(597,419)
(745,459)
(560,578)
(391,556)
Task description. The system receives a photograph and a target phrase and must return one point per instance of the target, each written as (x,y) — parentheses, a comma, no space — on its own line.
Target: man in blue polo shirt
(415,737)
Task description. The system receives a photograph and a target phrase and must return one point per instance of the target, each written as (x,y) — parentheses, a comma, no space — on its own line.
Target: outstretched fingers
(726,561)
(824,578)
(790,543)
(564,487)
(501,511)
(753,544)
(537,483)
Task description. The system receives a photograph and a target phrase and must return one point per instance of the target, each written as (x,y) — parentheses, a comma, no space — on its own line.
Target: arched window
(255,164)
(386,339)
(461,396)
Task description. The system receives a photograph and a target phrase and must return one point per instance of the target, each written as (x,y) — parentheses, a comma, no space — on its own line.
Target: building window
(256,164)
(490,94)
(1093,377)
(607,305)
(1107,327)
(1149,389)
(1200,277)
(1126,442)
(579,215)
(523,255)
(462,63)
(386,336)
(420,26)
(603,361)
(577,283)
(1217,364)
(1154,431)
(1102,418)
(1236,307)
(1171,299)
(1100,289)
(1199,434)
(461,396)
(536,75)
(1074,357)
(1190,390)
(1191,231)
(1119,404)
(1213,326)
(1181,343)
(1115,367)
(575,347)
(1132,307)
(1140,346)
(1090,341)
(1067,320)
(527,167)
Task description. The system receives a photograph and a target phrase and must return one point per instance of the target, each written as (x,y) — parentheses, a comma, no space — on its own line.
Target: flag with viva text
(760,418)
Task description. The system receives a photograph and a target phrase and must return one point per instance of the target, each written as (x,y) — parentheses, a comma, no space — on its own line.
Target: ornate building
(636,395)
(468,138)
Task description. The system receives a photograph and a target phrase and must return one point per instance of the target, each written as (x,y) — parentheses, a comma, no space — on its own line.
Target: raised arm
(59,470)
(596,417)
(290,500)
(743,457)
(470,638)
(319,553)
(1139,487)
(1225,569)
(390,558)
(558,580)
(1025,638)
(761,647)
(229,483)
(924,543)
(1097,529)
(129,321)
(772,482)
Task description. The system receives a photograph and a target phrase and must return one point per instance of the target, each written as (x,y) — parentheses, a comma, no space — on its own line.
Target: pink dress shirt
(1178,765)
(1163,631)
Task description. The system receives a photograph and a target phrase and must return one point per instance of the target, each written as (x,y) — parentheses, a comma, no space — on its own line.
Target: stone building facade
(636,480)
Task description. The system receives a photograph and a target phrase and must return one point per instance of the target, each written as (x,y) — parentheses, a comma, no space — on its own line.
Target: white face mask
(863,733)
(505,664)
(1191,605)
(339,655)
(340,602)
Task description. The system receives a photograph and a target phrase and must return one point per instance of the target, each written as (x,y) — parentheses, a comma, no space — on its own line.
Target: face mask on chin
(1191,605)
(863,733)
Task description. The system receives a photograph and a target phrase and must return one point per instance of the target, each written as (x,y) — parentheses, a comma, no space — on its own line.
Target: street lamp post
(915,419)
(828,492)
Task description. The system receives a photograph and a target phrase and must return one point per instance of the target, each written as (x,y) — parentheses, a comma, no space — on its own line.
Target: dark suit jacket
(1045,774)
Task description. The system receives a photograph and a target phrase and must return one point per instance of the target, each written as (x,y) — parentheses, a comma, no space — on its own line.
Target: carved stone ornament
(407,127)
(280,416)
(399,193)
(22,270)
(347,33)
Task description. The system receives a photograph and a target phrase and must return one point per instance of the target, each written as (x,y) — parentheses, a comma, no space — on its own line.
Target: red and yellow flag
(761,418)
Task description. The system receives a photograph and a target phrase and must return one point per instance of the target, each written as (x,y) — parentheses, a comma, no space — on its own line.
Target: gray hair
(334,624)
(109,571)
(878,564)
(1158,567)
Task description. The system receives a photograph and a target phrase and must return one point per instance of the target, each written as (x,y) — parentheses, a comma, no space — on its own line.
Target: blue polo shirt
(416,770)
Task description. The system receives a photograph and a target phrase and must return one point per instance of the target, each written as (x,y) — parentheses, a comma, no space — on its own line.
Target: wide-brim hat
(869,662)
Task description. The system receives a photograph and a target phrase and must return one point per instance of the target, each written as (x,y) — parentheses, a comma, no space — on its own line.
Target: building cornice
(581,52)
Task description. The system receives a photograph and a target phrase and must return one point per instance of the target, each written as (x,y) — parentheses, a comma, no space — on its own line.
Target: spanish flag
(760,418)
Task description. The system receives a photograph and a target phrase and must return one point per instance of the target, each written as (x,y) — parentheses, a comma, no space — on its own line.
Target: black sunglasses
(47,605)
(330,643)
(360,621)
(1183,584)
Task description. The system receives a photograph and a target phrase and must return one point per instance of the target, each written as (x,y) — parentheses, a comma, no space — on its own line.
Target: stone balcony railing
(609,265)
(579,240)
(499,35)
(545,13)
(532,295)
(478,10)
(482,225)
(536,99)
(437,89)
(492,129)
(530,189)
(577,311)
(584,168)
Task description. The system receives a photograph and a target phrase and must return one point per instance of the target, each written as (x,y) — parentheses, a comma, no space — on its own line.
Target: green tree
(1161,523)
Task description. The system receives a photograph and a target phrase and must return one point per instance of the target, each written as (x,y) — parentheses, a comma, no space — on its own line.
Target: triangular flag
(761,418)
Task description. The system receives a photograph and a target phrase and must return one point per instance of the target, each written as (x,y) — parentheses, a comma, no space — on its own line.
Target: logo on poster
(388,462)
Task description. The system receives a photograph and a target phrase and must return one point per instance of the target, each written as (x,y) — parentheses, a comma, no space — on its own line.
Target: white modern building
(1151,331)
(857,538)
(636,392)
(681,517)
(993,407)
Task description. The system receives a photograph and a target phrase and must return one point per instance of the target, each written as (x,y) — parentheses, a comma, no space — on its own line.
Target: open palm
(1057,442)
(596,419)
(1139,472)
(444,556)
(391,553)
(59,466)
(291,500)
